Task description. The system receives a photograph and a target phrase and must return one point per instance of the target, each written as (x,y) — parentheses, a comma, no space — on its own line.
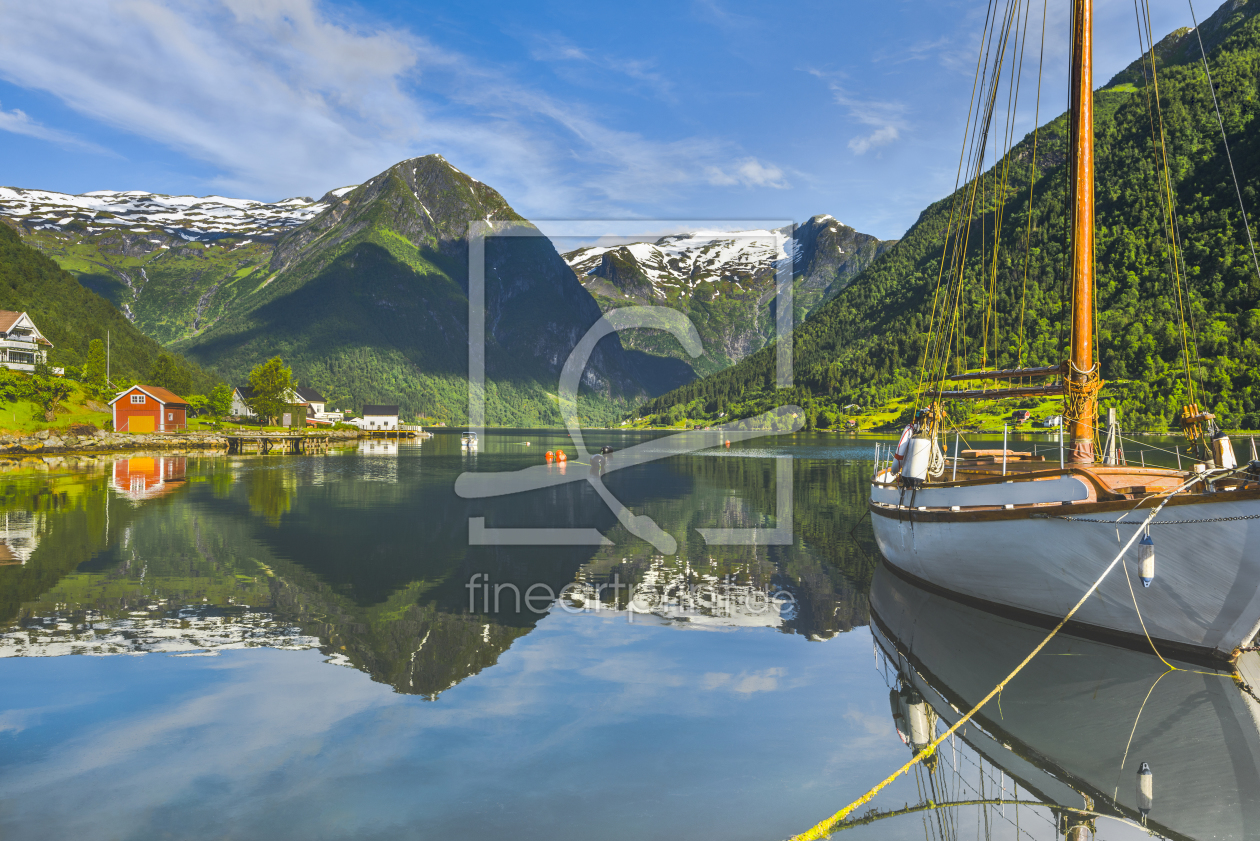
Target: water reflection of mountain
(826,569)
(367,556)
(1077,725)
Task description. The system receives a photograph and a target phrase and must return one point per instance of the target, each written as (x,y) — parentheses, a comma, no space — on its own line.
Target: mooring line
(827,826)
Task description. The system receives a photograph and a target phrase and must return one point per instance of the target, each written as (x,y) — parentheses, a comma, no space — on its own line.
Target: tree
(270,381)
(94,368)
(48,393)
(168,373)
(220,401)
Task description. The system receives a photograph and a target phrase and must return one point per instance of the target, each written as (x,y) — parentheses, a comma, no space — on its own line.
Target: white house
(376,416)
(22,346)
(318,405)
(309,397)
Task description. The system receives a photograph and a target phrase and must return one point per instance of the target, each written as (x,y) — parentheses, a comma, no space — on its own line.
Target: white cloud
(883,135)
(18,122)
(749,172)
(560,52)
(284,98)
(887,119)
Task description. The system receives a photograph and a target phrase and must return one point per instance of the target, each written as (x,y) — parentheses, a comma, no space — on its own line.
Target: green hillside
(368,302)
(865,346)
(72,316)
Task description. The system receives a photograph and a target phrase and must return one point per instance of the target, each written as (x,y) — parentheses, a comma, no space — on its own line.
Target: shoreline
(48,442)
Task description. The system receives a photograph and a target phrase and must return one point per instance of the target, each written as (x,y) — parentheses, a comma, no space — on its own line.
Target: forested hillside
(72,316)
(866,344)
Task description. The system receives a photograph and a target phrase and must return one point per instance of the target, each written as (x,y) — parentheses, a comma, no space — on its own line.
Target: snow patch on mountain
(690,259)
(189,217)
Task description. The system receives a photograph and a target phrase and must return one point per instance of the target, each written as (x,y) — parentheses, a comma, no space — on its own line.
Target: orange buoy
(728,443)
(560,456)
(549,455)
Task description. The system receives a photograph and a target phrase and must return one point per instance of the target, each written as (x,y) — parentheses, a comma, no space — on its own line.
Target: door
(140,423)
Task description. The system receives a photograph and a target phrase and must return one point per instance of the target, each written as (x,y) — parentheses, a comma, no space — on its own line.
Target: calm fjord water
(283,647)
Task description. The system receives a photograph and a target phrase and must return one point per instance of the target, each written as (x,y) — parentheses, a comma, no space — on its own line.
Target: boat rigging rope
(1224,139)
(1170,221)
(828,825)
(1161,523)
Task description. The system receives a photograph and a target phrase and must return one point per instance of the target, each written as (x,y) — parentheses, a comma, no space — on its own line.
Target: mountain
(866,344)
(72,316)
(363,292)
(369,303)
(172,264)
(724,281)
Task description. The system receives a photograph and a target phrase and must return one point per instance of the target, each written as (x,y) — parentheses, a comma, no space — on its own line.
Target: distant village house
(22,346)
(315,403)
(149,408)
(378,416)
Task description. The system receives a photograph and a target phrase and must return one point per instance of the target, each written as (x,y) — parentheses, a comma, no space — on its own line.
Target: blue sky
(573,110)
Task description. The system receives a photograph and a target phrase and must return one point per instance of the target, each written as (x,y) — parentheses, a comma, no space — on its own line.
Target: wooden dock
(400,433)
(279,444)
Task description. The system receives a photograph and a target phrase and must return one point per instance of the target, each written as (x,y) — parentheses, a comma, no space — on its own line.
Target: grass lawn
(24,417)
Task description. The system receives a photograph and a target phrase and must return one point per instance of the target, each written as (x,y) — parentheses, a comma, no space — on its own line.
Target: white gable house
(22,346)
(377,416)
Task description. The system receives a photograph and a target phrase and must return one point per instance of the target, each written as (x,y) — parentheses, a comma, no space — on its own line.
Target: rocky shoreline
(100,441)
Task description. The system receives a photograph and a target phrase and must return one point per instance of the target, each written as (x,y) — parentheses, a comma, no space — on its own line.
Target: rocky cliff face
(828,256)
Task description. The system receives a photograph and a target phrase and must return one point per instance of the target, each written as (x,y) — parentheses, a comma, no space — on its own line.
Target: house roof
(8,318)
(379,409)
(309,395)
(156,392)
(305,395)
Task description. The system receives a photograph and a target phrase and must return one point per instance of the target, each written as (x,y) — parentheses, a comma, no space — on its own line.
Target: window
(137,398)
(170,416)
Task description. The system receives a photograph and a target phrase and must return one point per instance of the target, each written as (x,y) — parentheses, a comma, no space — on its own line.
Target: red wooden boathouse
(149,408)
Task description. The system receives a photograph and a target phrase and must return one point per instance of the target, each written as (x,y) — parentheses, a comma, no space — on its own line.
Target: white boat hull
(1205,597)
(1077,723)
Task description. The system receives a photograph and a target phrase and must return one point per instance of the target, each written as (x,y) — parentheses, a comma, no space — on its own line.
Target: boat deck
(1107,482)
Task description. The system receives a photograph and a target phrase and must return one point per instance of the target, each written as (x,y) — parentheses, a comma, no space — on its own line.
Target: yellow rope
(1160,148)
(827,826)
(1032,186)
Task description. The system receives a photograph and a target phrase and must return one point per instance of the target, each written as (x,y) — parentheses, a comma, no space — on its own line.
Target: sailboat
(1093,731)
(1012,532)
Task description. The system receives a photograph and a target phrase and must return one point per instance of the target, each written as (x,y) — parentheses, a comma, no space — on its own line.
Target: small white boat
(468,441)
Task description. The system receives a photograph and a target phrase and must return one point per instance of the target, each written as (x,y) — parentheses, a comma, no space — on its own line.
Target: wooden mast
(1081,388)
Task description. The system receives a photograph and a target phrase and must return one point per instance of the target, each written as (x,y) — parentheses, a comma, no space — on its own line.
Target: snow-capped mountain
(685,261)
(725,281)
(189,217)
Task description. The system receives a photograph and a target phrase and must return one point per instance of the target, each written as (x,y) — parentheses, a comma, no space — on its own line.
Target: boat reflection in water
(1093,731)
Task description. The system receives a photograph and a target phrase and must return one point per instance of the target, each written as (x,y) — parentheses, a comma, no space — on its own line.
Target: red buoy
(549,456)
(560,456)
(728,443)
